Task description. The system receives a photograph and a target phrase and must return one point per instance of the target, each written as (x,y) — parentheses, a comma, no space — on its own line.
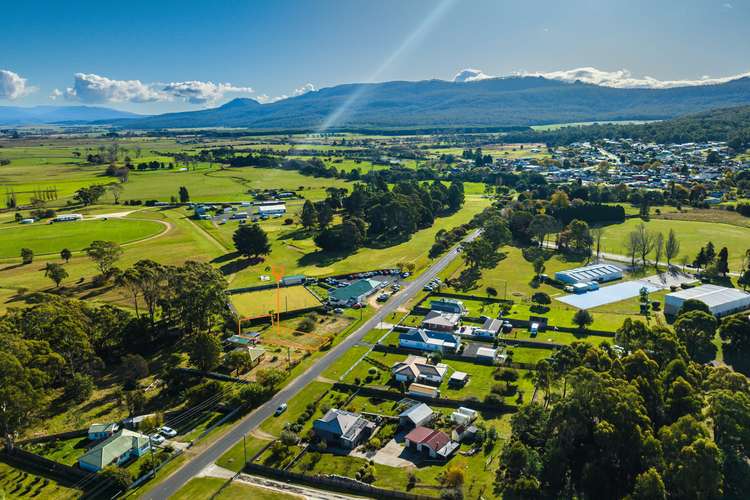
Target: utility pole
(244,447)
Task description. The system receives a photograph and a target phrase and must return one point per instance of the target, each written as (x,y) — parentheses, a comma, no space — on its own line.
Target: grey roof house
(343,429)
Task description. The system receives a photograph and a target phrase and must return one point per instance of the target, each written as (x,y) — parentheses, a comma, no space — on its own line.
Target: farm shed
(720,300)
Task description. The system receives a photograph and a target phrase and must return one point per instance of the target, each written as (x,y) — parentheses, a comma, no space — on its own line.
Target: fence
(441,402)
(336,483)
(64,474)
(55,437)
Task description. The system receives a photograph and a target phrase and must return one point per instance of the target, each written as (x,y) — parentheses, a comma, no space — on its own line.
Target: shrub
(541,298)
(79,388)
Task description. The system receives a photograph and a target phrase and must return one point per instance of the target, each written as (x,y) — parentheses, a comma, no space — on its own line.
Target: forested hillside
(726,124)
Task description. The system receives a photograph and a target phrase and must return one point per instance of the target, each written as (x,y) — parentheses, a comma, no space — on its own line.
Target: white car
(281,409)
(167,431)
(156,438)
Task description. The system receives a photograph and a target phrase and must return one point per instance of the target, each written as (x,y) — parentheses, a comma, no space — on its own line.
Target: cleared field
(15,483)
(692,235)
(51,238)
(252,304)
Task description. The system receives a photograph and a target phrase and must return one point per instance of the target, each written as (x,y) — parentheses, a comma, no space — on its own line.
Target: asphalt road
(216,449)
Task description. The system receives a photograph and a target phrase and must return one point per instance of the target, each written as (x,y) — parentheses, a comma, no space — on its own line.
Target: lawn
(207,487)
(692,235)
(51,238)
(275,424)
(16,483)
(253,304)
(66,451)
(234,459)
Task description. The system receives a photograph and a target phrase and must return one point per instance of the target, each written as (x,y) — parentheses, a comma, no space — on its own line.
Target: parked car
(383,297)
(167,431)
(156,438)
(281,409)
(405,274)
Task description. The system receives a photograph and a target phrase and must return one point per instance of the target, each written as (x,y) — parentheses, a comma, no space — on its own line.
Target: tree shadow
(297,234)
(225,258)
(321,258)
(239,264)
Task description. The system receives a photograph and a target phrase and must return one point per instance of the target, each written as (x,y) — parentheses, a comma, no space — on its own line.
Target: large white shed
(720,300)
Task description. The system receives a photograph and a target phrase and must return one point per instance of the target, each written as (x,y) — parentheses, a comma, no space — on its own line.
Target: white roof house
(279,208)
(719,299)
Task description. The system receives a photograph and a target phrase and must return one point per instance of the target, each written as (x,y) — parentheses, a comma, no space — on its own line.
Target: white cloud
(470,75)
(12,86)
(624,79)
(88,87)
(621,78)
(728,5)
(93,88)
(308,87)
(196,92)
(55,94)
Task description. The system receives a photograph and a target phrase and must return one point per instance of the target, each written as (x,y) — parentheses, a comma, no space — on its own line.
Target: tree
(700,259)
(710,253)
(582,318)
(104,254)
(251,241)
(269,378)
(541,226)
(79,388)
(149,278)
(597,233)
(455,195)
(120,478)
(116,190)
(646,242)
(722,262)
(649,486)
(204,351)
(325,215)
(480,254)
(55,272)
(27,255)
(559,199)
(89,195)
(671,247)
(632,245)
(134,366)
(539,266)
(21,391)
(693,305)
(736,331)
(577,233)
(193,296)
(658,250)
(697,329)
(65,255)
(496,231)
(184,195)
(238,361)
(309,215)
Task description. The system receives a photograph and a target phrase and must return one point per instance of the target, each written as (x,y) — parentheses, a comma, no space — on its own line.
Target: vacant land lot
(283,299)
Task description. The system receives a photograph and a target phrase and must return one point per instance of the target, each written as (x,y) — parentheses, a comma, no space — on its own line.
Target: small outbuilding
(419,414)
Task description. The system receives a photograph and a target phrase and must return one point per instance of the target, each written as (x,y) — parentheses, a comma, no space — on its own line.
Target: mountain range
(429,105)
(36,115)
(438,104)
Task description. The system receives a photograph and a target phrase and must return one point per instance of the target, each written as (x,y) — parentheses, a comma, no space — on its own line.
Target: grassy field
(15,483)
(75,236)
(692,235)
(207,487)
(253,304)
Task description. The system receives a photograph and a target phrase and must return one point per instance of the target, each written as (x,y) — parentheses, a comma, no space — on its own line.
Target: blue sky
(154,56)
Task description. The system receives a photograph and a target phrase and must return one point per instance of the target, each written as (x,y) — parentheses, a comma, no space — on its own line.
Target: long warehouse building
(595,272)
(720,300)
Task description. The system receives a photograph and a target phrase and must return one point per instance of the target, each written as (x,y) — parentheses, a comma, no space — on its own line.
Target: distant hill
(437,104)
(16,115)
(725,124)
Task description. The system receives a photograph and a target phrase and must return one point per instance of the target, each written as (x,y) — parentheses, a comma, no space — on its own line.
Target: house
(428,340)
(425,391)
(116,449)
(417,415)
(463,415)
(482,354)
(354,293)
(448,305)
(102,431)
(489,329)
(256,353)
(245,339)
(343,429)
(441,321)
(416,369)
(464,433)
(271,210)
(458,380)
(430,442)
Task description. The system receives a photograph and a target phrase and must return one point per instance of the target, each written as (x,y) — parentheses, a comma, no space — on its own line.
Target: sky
(160,56)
